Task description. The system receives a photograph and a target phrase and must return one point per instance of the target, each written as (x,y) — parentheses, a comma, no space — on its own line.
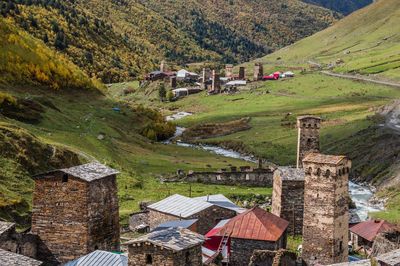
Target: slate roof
(222,201)
(391,258)
(308,116)
(87,172)
(100,258)
(180,206)
(175,224)
(354,263)
(255,224)
(5,226)
(323,159)
(290,173)
(370,229)
(14,259)
(176,239)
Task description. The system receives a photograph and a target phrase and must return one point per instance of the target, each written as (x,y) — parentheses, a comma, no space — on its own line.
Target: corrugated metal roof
(87,172)
(255,224)
(13,259)
(222,201)
(370,229)
(100,258)
(172,238)
(323,159)
(174,224)
(180,206)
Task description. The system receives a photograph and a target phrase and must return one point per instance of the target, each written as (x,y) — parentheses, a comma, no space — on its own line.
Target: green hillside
(367,41)
(117,40)
(342,6)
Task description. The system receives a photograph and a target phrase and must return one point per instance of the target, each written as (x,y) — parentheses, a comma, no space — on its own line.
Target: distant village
(209,80)
(75,219)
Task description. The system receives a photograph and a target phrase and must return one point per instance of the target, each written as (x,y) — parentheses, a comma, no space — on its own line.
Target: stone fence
(244,176)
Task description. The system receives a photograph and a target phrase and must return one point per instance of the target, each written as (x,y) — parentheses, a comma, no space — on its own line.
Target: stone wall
(288,201)
(325,232)
(207,218)
(273,258)
(137,219)
(20,243)
(242,249)
(145,253)
(74,218)
(250,178)
(386,242)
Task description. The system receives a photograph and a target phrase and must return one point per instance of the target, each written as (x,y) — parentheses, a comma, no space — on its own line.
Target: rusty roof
(370,229)
(255,224)
(323,159)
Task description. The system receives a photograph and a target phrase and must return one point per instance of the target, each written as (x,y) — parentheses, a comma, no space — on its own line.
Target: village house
(181,207)
(100,257)
(364,234)
(75,211)
(184,75)
(8,258)
(389,259)
(169,247)
(20,243)
(255,229)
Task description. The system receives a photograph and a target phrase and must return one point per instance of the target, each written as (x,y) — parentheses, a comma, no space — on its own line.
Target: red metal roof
(370,229)
(255,224)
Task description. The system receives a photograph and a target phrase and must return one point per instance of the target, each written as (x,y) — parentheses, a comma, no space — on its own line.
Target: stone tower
(258,71)
(75,212)
(216,83)
(229,71)
(326,214)
(242,73)
(288,197)
(163,66)
(308,137)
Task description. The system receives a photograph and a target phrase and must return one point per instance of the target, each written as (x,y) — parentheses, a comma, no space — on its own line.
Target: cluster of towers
(313,197)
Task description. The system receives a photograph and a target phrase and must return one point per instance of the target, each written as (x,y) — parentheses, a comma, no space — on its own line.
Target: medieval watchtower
(229,71)
(326,215)
(308,137)
(75,211)
(258,71)
(216,82)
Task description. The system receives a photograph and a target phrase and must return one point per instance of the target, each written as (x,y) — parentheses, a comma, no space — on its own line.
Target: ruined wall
(73,218)
(138,255)
(386,242)
(20,243)
(103,212)
(207,218)
(138,218)
(242,249)
(308,137)
(288,201)
(325,232)
(273,258)
(255,178)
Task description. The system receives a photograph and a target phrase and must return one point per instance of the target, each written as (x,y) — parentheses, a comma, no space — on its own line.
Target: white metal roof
(100,258)
(180,206)
(237,83)
(222,201)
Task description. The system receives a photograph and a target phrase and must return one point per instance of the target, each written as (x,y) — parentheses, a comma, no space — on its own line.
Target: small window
(341,246)
(188,262)
(96,247)
(65,178)
(149,259)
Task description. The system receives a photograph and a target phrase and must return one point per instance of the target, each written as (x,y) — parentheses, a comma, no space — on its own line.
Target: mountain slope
(342,6)
(366,42)
(240,30)
(118,40)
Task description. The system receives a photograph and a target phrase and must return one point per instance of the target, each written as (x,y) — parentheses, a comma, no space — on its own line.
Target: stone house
(255,229)
(169,247)
(288,197)
(181,207)
(8,258)
(20,243)
(75,211)
(326,214)
(364,233)
(389,259)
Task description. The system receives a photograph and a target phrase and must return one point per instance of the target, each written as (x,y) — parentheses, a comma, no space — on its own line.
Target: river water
(360,194)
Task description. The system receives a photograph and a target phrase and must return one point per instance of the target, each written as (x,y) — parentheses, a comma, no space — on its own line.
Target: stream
(360,194)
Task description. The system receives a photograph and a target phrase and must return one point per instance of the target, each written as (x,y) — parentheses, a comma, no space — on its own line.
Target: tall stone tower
(229,71)
(326,211)
(242,73)
(75,211)
(258,71)
(308,137)
(216,82)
